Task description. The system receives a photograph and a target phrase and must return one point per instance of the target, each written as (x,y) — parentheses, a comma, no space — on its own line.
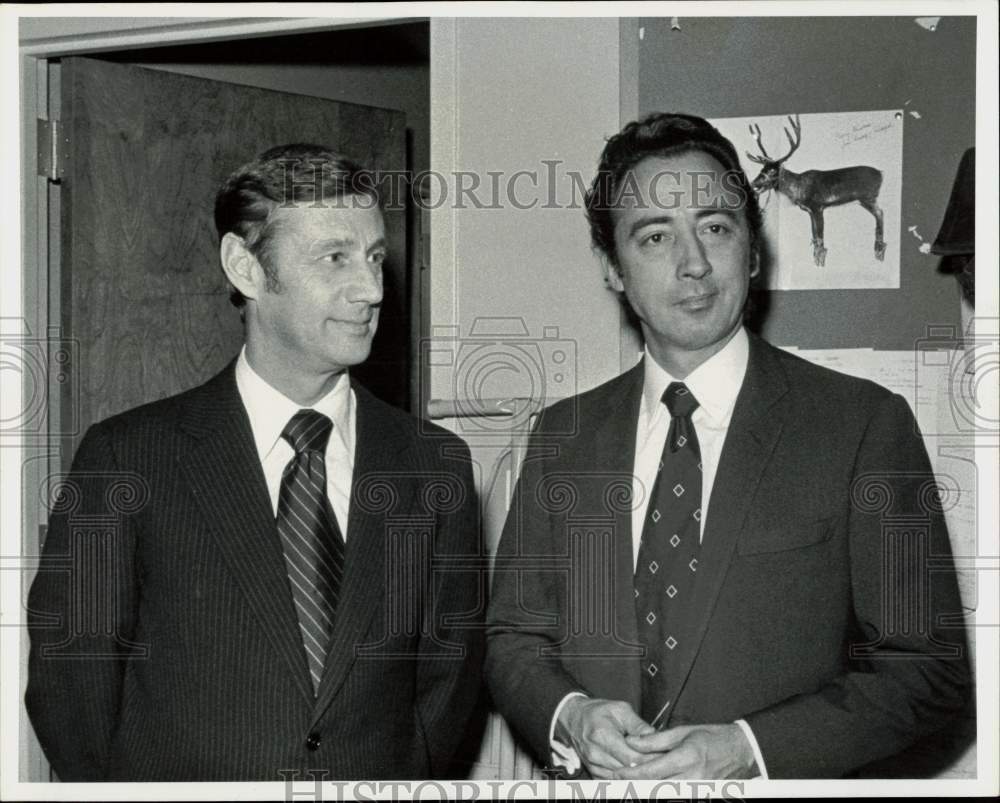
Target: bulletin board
(838,74)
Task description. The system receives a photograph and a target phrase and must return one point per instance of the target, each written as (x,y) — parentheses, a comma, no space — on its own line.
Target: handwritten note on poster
(824,181)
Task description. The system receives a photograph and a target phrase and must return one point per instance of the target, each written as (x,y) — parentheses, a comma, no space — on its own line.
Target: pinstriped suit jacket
(164,642)
(825,610)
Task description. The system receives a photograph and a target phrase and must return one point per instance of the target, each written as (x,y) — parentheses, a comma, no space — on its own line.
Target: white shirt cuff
(562,754)
(745,727)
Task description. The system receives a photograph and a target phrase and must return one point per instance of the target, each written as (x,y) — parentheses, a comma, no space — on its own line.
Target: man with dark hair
(703,579)
(270,599)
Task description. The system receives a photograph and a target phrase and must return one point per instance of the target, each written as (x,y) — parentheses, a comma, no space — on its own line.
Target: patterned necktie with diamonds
(310,537)
(668,555)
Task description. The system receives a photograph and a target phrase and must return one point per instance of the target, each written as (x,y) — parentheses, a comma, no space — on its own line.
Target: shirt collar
(270,410)
(715,383)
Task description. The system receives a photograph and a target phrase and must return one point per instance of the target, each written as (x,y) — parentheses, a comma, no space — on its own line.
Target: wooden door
(144,298)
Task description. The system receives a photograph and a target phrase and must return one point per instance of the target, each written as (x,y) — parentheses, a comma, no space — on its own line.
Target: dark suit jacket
(825,611)
(165,644)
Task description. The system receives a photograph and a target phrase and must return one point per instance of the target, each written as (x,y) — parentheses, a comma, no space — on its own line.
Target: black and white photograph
(431,401)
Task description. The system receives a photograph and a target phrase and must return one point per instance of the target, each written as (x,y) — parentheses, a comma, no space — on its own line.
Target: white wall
(506,95)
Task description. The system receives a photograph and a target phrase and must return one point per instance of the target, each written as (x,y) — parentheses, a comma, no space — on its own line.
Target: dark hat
(958,230)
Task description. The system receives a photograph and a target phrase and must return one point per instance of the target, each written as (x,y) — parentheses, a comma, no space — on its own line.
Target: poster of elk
(829,186)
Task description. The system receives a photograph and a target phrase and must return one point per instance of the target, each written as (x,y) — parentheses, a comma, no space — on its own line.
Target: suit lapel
(614,451)
(753,432)
(380,446)
(224,473)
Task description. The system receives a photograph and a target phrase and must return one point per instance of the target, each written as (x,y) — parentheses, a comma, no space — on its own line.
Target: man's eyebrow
(666,218)
(718,210)
(332,242)
(345,242)
(649,221)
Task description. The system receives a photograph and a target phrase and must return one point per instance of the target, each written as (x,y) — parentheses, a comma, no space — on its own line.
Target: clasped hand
(613,741)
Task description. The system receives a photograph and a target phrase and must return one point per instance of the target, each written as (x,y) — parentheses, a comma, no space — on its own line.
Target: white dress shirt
(715,384)
(270,411)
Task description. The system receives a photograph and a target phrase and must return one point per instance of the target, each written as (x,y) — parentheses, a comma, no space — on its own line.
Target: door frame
(37,301)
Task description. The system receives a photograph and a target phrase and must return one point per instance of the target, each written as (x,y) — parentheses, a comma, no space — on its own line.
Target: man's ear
(612,275)
(240,266)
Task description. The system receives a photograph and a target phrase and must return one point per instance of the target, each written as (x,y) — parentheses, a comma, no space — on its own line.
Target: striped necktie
(310,537)
(668,555)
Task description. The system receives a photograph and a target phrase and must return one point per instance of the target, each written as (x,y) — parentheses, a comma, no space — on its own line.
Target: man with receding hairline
(264,614)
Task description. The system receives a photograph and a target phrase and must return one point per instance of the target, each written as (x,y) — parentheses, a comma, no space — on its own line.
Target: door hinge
(50,163)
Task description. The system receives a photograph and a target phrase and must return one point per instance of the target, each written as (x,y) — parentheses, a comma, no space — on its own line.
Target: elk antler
(792,141)
(755,131)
